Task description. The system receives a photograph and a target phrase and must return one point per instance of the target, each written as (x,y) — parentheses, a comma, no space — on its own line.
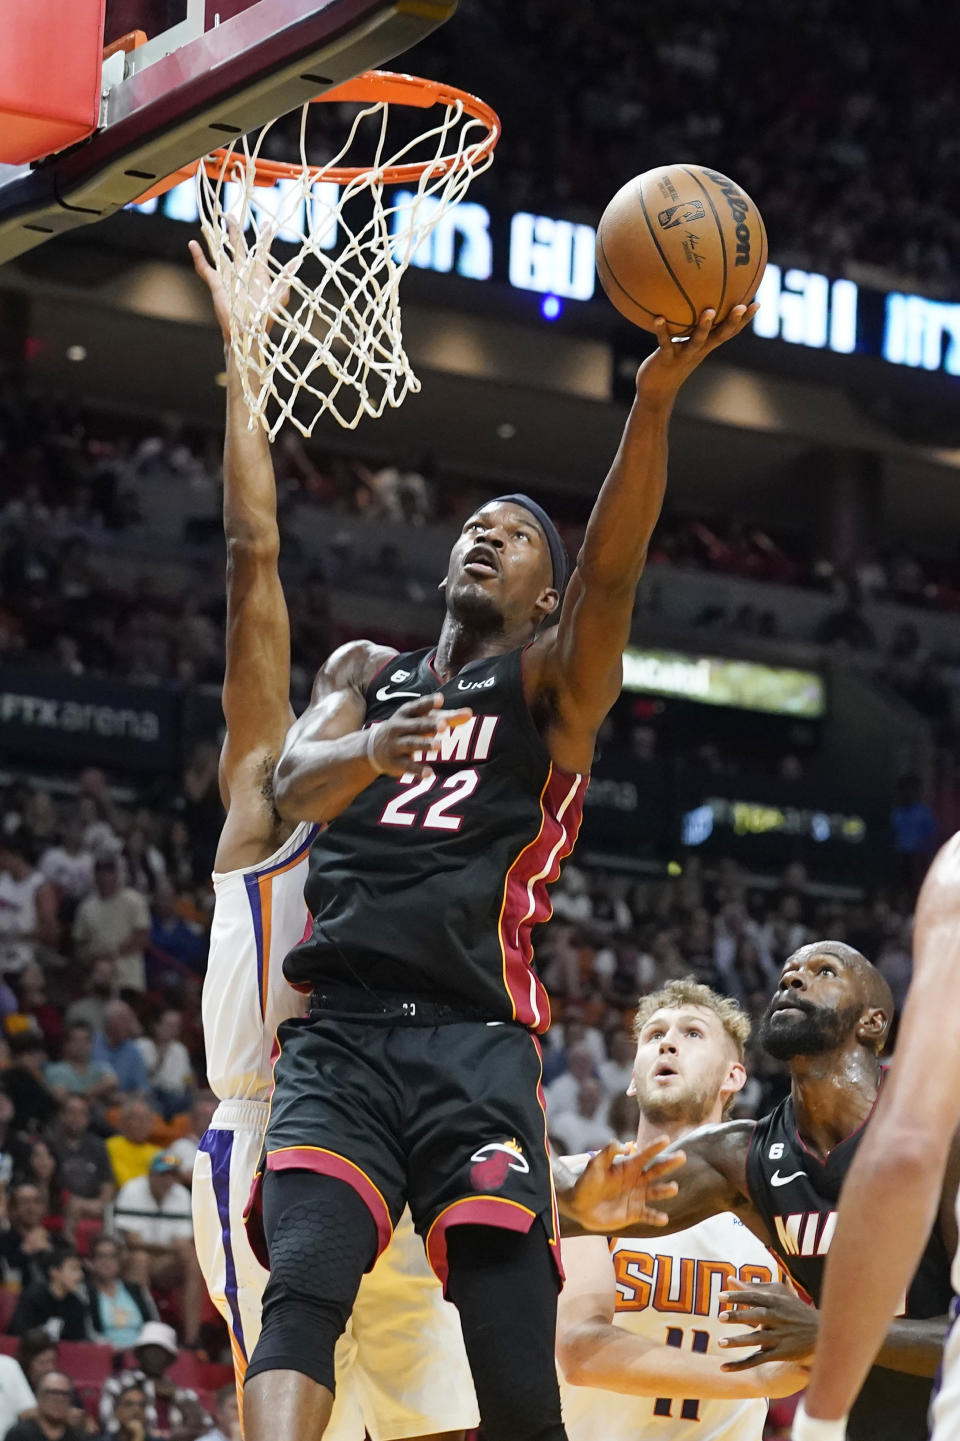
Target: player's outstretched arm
(580,659)
(256,685)
(894,1188)
(623,1192)
(593,1351)
(328,758)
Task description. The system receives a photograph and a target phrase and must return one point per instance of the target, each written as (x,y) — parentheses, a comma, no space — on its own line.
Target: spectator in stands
(170,934)
(68,865)
(25,1241)
(100,989)
(37,1356)
(54,1399)
(13,1150)
(226,1417)
(168,1065)
(119,1308)
(145,865)
(113,921)
(29,907)
(131,1151)
(153,1213)
(914,832)
(129,1421)
(31,986)
(617,1072)
(16,1397)
(42,1170)
(85,1168)
(116,1047)
(585,1128)
(34,1104)
(185,1149)
(56,1302)
(169,1407)
(77,1073)
(561,1094)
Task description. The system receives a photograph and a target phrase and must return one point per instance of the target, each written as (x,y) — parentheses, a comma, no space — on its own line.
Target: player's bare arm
(256,686)
(328,758)
(593,1351)
(895,1188)
(712,1179)
(575,669)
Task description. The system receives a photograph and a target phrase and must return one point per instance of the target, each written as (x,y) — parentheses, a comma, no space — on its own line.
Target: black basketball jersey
(432,885)
(797,1195)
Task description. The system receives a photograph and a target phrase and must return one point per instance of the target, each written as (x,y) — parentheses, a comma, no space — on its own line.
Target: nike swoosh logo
(777,1180)
(385,693)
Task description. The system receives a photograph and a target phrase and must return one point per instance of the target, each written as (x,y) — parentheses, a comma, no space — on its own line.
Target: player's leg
(411,1378)
(504,1284)
(482,1195)
(321,1239)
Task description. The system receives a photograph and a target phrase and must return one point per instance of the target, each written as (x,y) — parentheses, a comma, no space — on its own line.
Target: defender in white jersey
(907,1165)
(639,1321)
(401,1367)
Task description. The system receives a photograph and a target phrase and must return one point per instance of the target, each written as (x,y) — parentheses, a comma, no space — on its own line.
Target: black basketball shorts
(448,1119)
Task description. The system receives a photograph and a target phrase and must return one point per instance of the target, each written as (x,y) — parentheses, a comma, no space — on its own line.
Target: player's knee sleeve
(505,1287)
(321,1239)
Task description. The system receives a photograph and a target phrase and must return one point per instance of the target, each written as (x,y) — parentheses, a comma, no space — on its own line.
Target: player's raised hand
(618,1185)
(254,287)
(398,746)
(664,371)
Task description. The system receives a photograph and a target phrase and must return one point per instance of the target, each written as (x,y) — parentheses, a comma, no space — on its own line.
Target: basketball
(679,240)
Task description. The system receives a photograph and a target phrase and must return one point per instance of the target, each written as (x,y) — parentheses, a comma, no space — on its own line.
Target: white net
(335,344)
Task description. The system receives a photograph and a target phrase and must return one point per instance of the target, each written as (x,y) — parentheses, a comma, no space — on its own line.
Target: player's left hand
(677,357)
(784,1327)
(253,286)
(618,1184)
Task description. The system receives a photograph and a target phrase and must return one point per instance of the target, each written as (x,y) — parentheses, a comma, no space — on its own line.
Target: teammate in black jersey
(452,782)
(782,1176)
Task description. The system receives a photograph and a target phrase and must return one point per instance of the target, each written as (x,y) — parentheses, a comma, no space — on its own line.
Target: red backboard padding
(50,64)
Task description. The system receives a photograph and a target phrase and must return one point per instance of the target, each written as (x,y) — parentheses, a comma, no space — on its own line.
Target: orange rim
(373,85)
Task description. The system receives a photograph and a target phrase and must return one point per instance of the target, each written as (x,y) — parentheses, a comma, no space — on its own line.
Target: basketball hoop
(336,345)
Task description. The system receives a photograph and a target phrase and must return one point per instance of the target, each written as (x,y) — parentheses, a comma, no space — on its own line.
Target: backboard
(208,71)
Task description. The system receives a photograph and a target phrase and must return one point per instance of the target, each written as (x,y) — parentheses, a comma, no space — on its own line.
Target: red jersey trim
(526,902)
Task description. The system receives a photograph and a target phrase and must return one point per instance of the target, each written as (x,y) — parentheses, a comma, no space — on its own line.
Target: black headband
(559,556)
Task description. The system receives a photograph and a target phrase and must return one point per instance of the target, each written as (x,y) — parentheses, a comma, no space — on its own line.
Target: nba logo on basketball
(684,214)
(492,1162)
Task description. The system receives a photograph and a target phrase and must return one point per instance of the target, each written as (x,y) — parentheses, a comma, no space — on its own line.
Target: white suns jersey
(667,1292)
(259,915)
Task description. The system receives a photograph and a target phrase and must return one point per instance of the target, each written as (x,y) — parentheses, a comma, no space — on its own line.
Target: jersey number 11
(689,1410)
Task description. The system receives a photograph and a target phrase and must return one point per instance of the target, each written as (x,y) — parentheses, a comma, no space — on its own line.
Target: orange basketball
(679,240)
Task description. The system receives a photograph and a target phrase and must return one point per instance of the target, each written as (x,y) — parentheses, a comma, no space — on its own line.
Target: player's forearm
(317,779)
(613,1359)
(890,1196)
(249,488)
(627,509)
(914,1347)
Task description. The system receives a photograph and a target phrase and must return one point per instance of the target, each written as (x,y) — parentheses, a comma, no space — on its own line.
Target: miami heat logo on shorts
(492,1162)
(681,214)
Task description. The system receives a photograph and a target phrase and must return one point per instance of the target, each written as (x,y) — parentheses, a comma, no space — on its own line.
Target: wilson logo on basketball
(681,214)
(492,1163)
(739,209)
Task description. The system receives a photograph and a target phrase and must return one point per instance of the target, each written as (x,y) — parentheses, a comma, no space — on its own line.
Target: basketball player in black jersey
(452,782)
(782,1176)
